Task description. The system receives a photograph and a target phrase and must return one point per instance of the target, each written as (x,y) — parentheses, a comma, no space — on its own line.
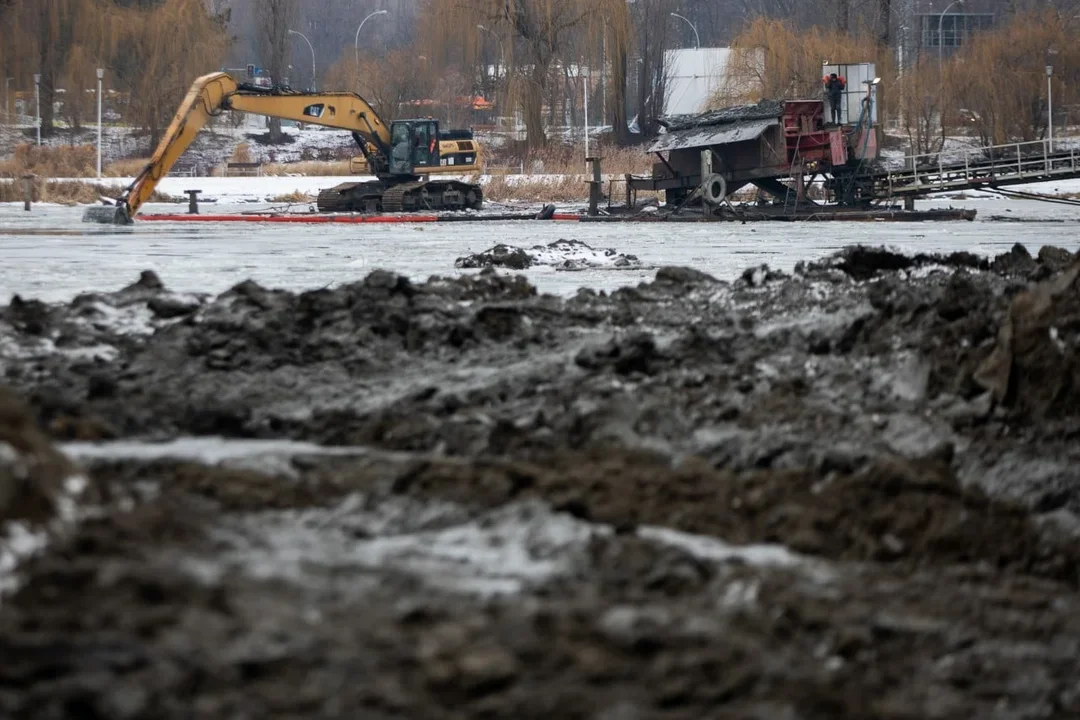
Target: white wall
(694,75)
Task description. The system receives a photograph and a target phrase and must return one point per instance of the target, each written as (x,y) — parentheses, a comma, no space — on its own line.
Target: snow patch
(576,255)
(19,540)
(500,552)
(713,550)
(208,450)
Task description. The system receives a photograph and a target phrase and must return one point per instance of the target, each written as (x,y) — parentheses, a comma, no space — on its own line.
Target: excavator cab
(414,146)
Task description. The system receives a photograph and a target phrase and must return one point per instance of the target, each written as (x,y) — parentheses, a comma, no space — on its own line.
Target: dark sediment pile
(845,492)
(561,255)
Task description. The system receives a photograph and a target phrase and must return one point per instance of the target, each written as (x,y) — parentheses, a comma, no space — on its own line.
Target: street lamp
(357,42)
(1050,100)
(293,32)
(585,76)
(37,102)
(697,39)
(940,29)
(100,76)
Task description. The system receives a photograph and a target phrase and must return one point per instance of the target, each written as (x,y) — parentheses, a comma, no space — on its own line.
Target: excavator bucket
(107,215)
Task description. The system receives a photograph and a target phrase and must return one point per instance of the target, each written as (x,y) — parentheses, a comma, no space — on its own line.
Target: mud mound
(683,499)
(913,513)
(134,616)
(32,472)
(561,255)
(862,262)
(1035,367)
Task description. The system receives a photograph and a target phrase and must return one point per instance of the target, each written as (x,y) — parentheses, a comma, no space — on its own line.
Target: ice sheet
(64,257)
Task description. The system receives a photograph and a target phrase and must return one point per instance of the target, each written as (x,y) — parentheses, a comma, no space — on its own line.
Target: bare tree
(276,18)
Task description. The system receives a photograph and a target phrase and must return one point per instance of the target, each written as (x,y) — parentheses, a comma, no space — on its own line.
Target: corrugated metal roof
(712,135)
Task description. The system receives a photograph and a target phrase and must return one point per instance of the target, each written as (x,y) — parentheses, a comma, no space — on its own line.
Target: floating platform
(817,214)
(323,219)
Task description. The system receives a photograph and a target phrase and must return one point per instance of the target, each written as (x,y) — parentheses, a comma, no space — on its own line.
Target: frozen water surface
(51,254)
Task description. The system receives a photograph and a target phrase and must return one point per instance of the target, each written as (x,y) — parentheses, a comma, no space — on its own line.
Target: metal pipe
(697,38)
(37,101)
(357,41)
(313,82)
(100,76)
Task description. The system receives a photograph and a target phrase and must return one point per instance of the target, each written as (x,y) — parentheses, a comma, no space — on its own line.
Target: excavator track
(414,196)
(395,198)
(432,195)
(352,197)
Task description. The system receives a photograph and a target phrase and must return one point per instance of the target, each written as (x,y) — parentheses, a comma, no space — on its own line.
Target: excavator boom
(215,93)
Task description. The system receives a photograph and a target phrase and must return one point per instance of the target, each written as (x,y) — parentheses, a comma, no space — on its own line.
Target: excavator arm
(218,92)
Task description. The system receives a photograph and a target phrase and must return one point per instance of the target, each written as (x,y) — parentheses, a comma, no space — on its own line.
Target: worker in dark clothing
(834,90)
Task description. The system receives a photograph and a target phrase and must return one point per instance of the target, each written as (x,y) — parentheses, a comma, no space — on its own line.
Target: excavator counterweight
(402,155)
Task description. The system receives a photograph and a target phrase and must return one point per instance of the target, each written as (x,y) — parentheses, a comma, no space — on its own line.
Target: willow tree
(535,35)
(158,55)
(1010,102)
(40,35)
(389,82)
(777,59)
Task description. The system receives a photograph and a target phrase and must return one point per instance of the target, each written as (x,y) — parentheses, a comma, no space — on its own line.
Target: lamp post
(697,38)
(585,77)
(940,28)
(293,32)
(357,41)
(1050,106)
(100,77)
(37,102)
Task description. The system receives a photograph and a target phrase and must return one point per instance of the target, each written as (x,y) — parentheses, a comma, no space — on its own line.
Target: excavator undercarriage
(415,196)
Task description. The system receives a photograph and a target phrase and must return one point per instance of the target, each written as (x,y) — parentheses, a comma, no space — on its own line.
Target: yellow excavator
(401,155)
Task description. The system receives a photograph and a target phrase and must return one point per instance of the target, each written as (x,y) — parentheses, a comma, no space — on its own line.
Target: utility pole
(100,76)
(37,100)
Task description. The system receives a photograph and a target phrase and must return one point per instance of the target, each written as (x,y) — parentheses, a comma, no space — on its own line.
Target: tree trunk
(886,23)
(533,102)
(277,17)
(47,61)
(617,101)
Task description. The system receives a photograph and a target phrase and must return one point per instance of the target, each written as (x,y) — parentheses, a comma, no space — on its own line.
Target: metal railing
(1010,163)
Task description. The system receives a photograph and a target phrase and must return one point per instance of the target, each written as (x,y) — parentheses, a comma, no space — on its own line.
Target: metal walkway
(986,167)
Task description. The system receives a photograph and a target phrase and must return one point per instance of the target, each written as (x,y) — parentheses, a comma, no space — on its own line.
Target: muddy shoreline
(846,491)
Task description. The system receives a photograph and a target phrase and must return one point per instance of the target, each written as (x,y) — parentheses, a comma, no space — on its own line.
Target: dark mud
(561,255)
(849,491)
